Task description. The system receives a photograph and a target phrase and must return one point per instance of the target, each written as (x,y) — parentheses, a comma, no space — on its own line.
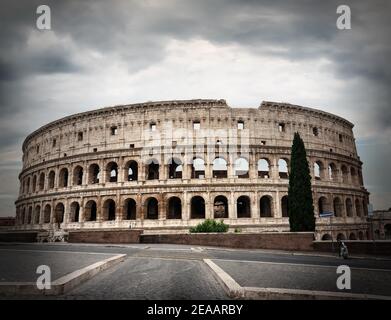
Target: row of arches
(130,172)
(150,209)
(334,173)
(342,208)
(360,235)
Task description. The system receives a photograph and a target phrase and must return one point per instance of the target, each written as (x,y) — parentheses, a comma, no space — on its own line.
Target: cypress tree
(300,203)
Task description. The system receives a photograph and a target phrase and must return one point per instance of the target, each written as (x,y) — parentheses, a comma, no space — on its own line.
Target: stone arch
(241,167)
(112,172)
(28,185)
(220,207)
(219,167)
(345,174)
(41,181)
(174,208)
(318,170)
(90,211)
(131,171)
(152,169)
(34,183)
(352,236)
(78,176)
(197,168)
(130,209)
(37,214)
(47,213)
(361,235)
(30,215)
(338,207)
(283,171)
(263,168)
(51,178)
(357,204)
(349,207)
(243,207)
(59,213)
(197,206)
(333,172)
(341,236)
(63,178)
(93,174)
(326,236)
(284,207)
(323,205)
(175,168)
(365,207)
(108,210)
(75,212)
(151,208)
(266,206)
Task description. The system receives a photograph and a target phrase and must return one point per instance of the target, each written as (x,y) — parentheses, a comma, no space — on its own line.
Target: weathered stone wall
(105,236)
(281,240)
(59,185)
(379,248)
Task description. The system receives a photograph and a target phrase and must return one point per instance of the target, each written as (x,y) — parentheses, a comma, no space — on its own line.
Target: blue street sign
(326,214)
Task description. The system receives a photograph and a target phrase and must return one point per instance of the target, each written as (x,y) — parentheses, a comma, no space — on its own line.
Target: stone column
(277,206)
(185,206)
(208,206)
(162,208)
(232,207)
(254,205)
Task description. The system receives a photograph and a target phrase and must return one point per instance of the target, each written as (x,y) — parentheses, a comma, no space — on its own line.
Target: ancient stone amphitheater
(166,166)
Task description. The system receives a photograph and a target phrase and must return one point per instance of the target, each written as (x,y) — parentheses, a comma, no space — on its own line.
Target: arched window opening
(51,179)
(30,215)
(353,176)
(152,169)
(90,211)
(34,183)
(41,181)
(338,207)
(78,176)
(341,236)
(63,178)
(318,170)
(220,207)
(152,209)
(109,210)
(263,169)
(243,207)
(131,171)
(175,168)
(219,168)
(47,213)
(130,209)
(326,237)
(197,208)
(283,169)
(333,172)
(37,214)
(323,205)
(198,169)
(352,236)
(94,174)
(349,207)
(265,206)
(358,208)
(241,168)
(345,174)
(59,213)
(361,235)
(112,172)
(75,212)
(174,208)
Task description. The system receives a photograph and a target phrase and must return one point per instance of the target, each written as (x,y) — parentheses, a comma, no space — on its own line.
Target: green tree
(300,203)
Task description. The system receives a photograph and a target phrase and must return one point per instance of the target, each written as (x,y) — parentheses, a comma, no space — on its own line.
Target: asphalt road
(178,272)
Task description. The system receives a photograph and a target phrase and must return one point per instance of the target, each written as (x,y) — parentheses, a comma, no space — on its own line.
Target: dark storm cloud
(137,33)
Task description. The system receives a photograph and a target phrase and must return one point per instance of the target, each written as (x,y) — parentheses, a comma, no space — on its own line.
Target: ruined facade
(166,166)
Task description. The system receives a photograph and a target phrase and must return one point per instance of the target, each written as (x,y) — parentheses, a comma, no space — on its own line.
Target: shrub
(210,225)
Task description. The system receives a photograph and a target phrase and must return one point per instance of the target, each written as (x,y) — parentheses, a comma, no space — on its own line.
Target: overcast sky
(101,53)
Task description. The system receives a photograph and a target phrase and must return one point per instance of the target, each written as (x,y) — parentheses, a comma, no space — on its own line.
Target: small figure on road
(343,249)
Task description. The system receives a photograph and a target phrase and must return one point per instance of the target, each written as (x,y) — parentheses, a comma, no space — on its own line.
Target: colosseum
(165,166)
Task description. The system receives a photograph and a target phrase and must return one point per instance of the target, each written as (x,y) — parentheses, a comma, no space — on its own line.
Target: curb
(62,284)
(234,290)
